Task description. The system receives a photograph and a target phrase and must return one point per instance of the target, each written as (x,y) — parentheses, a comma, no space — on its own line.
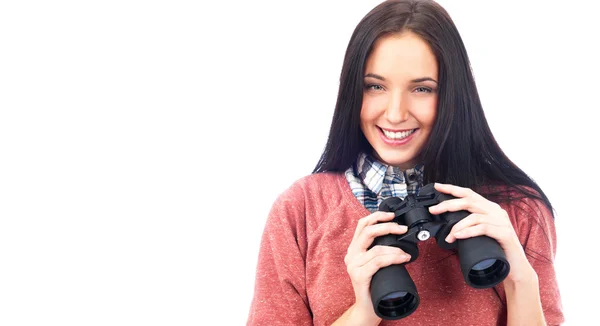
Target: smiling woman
(408,114)
(400,98)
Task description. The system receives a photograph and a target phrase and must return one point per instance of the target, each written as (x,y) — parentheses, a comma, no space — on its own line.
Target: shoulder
(309,201)
(532,219)
(324,181)
(314,188)
(522,199)
(314,197)
(526,202)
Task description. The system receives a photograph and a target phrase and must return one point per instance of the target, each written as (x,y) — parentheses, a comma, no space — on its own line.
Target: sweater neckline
(348,196)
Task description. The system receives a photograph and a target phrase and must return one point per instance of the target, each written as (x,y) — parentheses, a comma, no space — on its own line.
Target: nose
(397,110)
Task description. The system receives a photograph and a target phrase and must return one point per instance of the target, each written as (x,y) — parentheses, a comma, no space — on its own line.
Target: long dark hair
(461,149)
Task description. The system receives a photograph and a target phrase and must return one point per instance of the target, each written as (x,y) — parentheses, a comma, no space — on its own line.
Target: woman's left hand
(486,218)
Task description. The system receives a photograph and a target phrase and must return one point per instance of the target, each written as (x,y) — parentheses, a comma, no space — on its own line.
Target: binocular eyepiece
(482,261)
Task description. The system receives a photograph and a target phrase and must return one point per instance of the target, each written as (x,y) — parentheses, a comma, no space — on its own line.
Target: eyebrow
(418,80)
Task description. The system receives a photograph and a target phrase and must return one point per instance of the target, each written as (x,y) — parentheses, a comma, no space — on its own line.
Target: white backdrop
(142,143)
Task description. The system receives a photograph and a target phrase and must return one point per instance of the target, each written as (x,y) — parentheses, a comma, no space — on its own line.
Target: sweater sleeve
(537,233)
(280,296)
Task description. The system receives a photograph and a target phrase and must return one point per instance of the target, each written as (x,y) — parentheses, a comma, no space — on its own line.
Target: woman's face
(400,98)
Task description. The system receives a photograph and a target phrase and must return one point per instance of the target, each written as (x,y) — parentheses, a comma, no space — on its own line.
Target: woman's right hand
(362,264)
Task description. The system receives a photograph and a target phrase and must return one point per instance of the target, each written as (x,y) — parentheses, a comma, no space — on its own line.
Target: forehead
(402,55)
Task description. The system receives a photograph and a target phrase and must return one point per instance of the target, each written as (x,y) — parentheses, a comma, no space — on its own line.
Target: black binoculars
(482,261)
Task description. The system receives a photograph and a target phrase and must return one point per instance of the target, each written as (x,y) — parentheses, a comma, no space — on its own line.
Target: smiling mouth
(399,134)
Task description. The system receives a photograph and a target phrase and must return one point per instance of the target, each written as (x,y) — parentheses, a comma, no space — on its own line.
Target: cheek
(425,113)
(371,109)
(366,113)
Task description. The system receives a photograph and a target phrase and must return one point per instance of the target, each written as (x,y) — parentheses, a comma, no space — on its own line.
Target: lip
(397,130)
(398,142)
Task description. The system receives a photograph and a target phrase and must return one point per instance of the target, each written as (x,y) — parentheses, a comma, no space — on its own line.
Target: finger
(455,191)
(365,239)
(459,204)
(469,221)
(374,218)
(363,259)
(500,233)
(370,268)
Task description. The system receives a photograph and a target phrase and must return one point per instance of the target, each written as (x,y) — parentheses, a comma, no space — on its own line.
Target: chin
(397,159)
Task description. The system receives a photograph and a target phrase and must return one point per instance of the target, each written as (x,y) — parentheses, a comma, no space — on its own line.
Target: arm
(353,316)
(523,302)
(279,294)
(527,236)
(537,237)
(362,263)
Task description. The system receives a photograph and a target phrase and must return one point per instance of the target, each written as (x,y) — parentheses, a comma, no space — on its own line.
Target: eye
(374,87)
(423,89)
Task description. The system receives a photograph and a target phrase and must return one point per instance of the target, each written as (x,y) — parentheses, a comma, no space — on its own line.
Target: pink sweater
(301,277)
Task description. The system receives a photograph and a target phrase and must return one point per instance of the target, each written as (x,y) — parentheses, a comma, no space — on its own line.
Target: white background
(142,143)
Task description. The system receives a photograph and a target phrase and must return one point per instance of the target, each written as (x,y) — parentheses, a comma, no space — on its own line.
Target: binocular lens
(394,295)
(484,264)
(489,271)
(397,304)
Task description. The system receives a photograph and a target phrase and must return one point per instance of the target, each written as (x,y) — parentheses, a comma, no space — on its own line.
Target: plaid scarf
(372,181)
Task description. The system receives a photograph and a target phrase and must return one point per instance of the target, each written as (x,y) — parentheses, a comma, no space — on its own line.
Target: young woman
(407,114)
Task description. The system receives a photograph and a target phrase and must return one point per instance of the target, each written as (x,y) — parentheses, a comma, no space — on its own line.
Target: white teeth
(397,135)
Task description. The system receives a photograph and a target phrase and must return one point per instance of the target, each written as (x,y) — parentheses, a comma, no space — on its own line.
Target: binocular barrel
(393,292)
(482,262)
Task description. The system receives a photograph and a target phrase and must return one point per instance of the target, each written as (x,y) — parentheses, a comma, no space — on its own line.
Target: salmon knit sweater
(301,277)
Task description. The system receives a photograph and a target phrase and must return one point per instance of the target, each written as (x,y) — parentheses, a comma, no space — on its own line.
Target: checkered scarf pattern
(372,181)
